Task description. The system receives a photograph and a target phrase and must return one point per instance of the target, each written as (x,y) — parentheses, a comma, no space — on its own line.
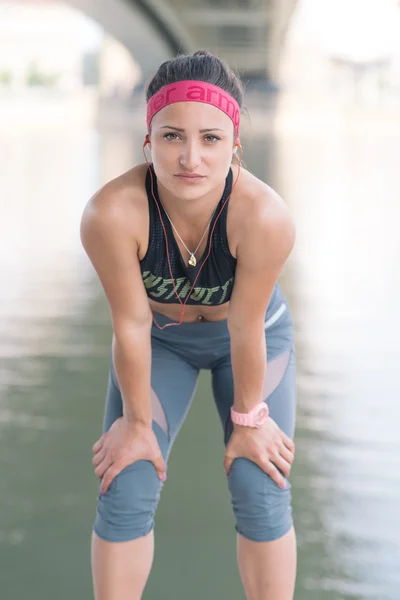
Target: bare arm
(108,237)
(268,237)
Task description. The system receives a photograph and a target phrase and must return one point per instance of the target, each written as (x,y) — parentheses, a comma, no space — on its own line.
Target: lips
(189,175)
(190,179)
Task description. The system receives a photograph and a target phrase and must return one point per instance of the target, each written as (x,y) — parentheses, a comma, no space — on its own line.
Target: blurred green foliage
(36,77)
(5,77)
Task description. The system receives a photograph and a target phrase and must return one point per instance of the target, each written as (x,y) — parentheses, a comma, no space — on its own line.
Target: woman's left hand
(266,446)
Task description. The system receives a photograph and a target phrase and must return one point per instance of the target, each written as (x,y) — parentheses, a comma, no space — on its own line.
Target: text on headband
(194,91)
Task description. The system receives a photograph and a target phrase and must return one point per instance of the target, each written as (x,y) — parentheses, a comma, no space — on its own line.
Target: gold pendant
(192,261)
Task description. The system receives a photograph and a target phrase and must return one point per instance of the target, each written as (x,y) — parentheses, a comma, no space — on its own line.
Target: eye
(211,138)
(170,136)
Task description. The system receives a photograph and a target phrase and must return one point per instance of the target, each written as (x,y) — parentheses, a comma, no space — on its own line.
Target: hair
(200,66)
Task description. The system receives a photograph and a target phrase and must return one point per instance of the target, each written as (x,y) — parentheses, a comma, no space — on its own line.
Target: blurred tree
(36,77)
(5,78)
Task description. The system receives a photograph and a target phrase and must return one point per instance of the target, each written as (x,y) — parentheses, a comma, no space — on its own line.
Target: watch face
(261,416)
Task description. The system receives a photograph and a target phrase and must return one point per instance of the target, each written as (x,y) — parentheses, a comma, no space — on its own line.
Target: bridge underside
(249,34)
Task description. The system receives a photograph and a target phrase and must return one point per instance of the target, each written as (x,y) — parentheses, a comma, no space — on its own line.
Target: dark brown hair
(200,66)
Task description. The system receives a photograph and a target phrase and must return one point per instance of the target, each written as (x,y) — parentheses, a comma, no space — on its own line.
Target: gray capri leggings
(262,510)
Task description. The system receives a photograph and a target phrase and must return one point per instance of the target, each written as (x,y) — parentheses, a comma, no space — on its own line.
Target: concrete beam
(148,29)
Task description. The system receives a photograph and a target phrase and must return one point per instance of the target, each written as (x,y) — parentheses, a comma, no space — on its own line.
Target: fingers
(289,443)
(281,463)
(228,460)
(97,445)
(267,466)
(108,474)
(160,468)
(108,478)
(103,466)
(286,454)
(96,460)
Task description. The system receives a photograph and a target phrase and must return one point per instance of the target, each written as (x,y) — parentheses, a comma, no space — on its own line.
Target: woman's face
(191,138)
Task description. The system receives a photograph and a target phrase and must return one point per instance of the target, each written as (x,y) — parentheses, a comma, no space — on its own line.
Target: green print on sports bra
(163,288)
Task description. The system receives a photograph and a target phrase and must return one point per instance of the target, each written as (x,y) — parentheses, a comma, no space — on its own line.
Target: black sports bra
(215,282)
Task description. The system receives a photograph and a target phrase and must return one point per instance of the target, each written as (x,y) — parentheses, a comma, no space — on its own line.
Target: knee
(262,509)
(126,511)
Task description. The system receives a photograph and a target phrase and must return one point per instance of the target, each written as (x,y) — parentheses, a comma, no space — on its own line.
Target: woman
(189,250)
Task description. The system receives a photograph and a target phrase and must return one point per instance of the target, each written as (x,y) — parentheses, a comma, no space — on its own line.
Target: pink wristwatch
(255,418)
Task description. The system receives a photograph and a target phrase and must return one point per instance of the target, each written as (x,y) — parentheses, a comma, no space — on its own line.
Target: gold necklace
(192,260)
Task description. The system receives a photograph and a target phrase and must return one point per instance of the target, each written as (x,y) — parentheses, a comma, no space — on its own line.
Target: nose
(190,155)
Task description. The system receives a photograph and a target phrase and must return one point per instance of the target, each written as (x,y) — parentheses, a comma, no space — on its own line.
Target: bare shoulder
(256,200)
(266,239)
(120,202)
(110,228)
(264,217)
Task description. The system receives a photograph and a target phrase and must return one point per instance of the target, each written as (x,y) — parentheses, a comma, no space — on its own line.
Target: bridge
(249,34)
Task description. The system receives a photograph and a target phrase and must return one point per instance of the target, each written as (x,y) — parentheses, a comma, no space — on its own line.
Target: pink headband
(194,91)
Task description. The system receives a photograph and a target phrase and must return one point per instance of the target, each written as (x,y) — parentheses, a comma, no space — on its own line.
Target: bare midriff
(192,313)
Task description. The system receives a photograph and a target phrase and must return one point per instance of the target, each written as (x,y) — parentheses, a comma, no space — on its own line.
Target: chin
(190,191)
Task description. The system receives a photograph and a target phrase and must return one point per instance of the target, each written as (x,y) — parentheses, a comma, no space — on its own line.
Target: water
(342,284)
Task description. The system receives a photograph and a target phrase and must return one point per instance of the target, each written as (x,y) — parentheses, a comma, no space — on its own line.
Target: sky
(25,17)
(359,30)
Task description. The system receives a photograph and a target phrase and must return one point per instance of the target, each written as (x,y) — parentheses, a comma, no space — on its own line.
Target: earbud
(145,142)
(238,145)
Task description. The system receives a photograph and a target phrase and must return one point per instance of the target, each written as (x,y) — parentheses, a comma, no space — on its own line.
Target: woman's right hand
(122,445)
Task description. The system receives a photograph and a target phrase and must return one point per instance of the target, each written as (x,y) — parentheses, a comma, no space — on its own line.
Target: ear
(237,145)
(146,140)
